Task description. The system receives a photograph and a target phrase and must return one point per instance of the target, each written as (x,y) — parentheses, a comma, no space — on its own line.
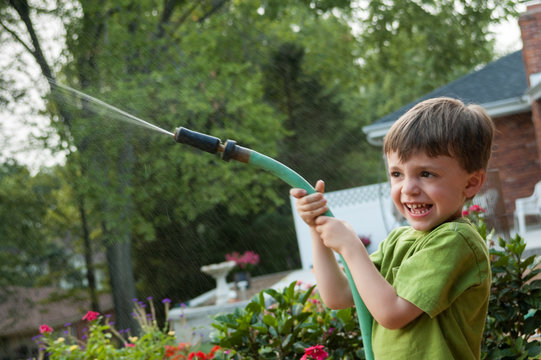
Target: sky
(19,129)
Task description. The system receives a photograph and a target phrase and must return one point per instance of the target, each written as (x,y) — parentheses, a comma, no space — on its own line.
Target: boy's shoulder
(460,228)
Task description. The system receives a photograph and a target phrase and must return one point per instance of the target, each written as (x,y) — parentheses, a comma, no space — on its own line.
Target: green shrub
(514,314)
(294,320)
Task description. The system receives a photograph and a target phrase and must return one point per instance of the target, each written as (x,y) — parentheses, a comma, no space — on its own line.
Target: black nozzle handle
(196,139)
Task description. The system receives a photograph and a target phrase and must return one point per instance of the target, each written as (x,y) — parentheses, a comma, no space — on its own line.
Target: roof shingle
(500,80)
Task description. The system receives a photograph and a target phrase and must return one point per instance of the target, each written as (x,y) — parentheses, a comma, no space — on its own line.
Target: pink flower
(45,329)
(465,213)
(130,345)
(244,260)
(316,352)
(477,208)
(91,315)
(365,240)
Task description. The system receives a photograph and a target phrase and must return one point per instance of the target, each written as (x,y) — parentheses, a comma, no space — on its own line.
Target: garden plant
(103,342)
(290,324)
(294,324)
(512,328)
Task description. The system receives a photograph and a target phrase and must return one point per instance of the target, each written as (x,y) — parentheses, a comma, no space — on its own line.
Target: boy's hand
(310,206)
(336,234)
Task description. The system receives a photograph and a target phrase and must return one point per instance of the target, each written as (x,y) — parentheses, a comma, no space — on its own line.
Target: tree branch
(187,13)
(215,8)
(22,8)
(16,37)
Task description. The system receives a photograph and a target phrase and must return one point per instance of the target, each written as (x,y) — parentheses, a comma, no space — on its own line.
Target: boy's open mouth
(418,209)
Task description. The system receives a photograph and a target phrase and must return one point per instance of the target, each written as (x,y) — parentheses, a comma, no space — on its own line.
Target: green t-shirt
(446,273)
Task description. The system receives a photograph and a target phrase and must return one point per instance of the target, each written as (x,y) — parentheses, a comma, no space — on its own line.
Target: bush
(514,314)
(293,323)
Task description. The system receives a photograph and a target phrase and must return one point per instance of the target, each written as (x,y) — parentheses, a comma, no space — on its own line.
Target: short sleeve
(443,267)
(377,256)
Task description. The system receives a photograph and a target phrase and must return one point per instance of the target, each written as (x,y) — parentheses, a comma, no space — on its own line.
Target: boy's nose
(410,187)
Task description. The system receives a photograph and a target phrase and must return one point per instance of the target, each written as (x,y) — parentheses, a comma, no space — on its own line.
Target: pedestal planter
(242,276)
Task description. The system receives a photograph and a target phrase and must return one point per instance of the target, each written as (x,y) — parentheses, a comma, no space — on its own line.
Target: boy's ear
(475,181)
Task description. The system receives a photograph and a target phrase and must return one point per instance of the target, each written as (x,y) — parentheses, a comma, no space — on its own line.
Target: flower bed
(103,342)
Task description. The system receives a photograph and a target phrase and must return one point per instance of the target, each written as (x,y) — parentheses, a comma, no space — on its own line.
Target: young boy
(427,285)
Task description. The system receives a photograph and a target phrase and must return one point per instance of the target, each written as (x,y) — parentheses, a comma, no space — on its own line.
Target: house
(510,90)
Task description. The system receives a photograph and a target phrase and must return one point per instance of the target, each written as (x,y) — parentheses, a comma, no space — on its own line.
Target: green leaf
(307,294)
(254,307)
(286,341)
(270,320)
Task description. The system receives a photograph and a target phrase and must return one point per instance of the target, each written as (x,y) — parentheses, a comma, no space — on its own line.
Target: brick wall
(516,157)
(530,28)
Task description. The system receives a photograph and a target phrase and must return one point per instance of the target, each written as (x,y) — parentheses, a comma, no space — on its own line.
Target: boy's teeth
(418,208)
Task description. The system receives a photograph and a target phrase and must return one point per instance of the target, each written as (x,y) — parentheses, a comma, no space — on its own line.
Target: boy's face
(429,191)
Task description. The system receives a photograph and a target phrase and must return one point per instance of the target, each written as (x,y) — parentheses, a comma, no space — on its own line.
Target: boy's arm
(330,278)
(330,234)
(387,308)
(332,283)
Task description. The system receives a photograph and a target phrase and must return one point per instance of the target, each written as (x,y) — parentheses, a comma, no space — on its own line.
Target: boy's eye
(395,174)
(426,174)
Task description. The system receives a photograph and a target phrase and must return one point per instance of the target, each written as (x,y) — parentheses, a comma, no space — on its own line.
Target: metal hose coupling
(212,144)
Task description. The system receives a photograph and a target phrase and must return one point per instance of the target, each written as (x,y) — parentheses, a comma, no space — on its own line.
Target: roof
(500,87)
(25,309)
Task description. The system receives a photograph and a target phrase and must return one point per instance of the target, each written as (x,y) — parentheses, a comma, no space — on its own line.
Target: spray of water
(122,115)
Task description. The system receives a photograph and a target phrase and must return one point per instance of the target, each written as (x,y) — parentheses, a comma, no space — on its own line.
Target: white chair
(530,205)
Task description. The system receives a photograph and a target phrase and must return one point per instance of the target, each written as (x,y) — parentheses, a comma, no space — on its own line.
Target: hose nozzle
(212,144)
(198,140)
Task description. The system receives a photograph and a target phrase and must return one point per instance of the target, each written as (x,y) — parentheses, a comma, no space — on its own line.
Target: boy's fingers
(320,220)
(311,202)
(320,186)
(297,193)
(313,212)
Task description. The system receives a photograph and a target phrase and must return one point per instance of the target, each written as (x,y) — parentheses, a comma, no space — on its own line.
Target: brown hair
(444,126)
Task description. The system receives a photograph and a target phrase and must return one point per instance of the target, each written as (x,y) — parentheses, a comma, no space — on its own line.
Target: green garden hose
(231,150)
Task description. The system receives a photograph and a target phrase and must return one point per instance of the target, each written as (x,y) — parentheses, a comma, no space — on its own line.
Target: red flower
(91,315)
(198,356)
(315,353)
(45,329)
(175,352)
(130,345)
(170,350)
(213,351)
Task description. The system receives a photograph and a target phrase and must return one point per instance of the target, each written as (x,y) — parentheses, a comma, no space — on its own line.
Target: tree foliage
(413,47)
(27,255)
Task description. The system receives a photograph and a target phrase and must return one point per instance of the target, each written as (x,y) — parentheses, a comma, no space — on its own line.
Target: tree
(411,48)
(28,256)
